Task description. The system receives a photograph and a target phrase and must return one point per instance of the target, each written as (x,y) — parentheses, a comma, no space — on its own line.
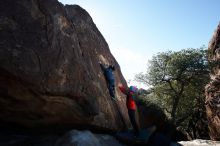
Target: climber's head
(112,67)
(133,89)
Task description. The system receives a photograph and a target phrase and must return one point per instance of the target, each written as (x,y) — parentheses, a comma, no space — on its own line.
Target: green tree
(178,80)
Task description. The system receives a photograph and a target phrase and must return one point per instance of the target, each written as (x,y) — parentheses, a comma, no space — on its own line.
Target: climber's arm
(102,67)
(122,89)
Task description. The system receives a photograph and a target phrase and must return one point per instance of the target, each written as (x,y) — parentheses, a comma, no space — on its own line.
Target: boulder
(213,88)
(49,71)
(86,138)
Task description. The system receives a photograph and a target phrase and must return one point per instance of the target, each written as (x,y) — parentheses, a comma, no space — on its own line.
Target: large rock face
(213,88)
(49,71)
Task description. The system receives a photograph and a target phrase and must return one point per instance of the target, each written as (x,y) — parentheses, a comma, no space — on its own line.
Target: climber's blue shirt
(109,76)
(108,72)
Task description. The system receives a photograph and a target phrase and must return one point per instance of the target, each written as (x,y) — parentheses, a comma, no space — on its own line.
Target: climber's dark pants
(132,117)
(111,88)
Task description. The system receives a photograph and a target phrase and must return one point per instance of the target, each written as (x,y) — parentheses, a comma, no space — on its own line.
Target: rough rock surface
(213,88)
(49,71)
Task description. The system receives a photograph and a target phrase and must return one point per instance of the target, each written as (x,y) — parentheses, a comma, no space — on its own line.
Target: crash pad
(129,137)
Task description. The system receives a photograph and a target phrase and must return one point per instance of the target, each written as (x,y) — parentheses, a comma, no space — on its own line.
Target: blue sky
(135,30)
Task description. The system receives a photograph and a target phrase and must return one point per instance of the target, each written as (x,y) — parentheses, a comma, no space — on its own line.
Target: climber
(108,72)
(131,94)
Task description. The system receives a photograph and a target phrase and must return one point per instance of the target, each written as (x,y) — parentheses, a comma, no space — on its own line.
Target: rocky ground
(200,142)
(71,138)
(78,138)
